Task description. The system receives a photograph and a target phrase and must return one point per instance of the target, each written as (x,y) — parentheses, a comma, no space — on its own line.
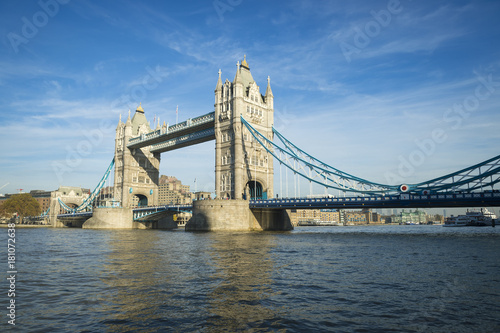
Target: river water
(323,279)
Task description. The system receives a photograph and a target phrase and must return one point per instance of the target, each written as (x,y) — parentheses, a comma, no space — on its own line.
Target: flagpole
(177,114)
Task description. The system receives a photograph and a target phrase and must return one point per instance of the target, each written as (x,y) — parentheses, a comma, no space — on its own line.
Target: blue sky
(390,91)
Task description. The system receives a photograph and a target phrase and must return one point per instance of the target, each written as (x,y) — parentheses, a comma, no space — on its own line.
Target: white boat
(456,221)
(480,218)
(476,218)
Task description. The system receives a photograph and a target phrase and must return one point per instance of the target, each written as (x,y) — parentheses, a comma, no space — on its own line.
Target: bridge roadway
(189,132)
(139,213)
(477,199)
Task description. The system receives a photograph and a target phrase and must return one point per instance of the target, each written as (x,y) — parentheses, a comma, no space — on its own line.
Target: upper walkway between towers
(189,132)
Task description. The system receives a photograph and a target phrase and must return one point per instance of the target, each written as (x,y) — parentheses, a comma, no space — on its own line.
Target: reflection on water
(376,279)
(243,271)
(133,272)
(223,277)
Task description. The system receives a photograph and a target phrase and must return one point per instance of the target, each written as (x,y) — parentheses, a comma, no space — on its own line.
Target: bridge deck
(185,128)
(139,213)
(486,199)
(184,141)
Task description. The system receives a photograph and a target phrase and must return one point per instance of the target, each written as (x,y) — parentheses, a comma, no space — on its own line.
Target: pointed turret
(218,87)
(139,121)
(269,92)
(128,126)
(237,83)
(244,63)
(119,129)
(243,74)
(237,77)
(218,90)
(129,121)
(120,123)
(269,97)
(139,108)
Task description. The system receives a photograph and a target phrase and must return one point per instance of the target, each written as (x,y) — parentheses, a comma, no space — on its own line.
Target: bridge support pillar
(110,218)
(272,219)
(235,215)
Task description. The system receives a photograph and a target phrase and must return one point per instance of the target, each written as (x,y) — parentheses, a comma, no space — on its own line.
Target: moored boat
(472,218)
(456,221)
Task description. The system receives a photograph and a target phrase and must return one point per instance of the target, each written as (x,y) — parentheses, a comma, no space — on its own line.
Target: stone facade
(243,168)
(231,215)
(171,191)
(136,170)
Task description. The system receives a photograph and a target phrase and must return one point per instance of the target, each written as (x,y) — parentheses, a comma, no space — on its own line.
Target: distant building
(105,198)
(365,216)
(355,217)
(202,195)
(317,215)
(171,191)
(43,198)
(335,216)
(417,216)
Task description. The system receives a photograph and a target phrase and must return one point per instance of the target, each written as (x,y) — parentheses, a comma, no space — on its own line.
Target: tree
(23,204)
(438,217)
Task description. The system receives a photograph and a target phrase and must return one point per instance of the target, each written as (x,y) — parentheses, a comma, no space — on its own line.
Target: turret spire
(269,92)
(237,77)
(139,108)
(244,63)
(219,82)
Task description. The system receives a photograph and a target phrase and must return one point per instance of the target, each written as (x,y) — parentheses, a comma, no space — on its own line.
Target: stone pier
(110,218)
(235,215)
(122,218)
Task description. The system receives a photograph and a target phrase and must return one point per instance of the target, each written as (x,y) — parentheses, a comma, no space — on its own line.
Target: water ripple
(359,279)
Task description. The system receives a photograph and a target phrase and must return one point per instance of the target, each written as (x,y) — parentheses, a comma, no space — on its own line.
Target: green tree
(23,204)
(438,217)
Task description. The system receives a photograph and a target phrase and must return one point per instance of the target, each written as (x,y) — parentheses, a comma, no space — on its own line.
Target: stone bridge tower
(136,170)
(243,168)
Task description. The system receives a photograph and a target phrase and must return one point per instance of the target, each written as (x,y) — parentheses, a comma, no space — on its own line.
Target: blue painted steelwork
(403,200)
(138,213)
(475,178)
(197,124)
(88,202)
(314,170)
(183,141)
(75,214)
(143,212)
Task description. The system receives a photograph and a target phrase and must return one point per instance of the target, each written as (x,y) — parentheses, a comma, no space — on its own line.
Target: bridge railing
(160,207)
(141,212)
(74,214)
(183,139)
(191,122)
(372,199)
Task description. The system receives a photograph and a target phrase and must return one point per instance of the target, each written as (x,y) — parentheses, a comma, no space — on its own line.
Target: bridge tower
(243,169)
(136,170)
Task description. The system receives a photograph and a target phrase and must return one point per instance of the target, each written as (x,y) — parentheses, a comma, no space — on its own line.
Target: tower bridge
(241,124)
(241,170)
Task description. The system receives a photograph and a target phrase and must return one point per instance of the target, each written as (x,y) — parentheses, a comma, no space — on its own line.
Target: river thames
(323,279)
